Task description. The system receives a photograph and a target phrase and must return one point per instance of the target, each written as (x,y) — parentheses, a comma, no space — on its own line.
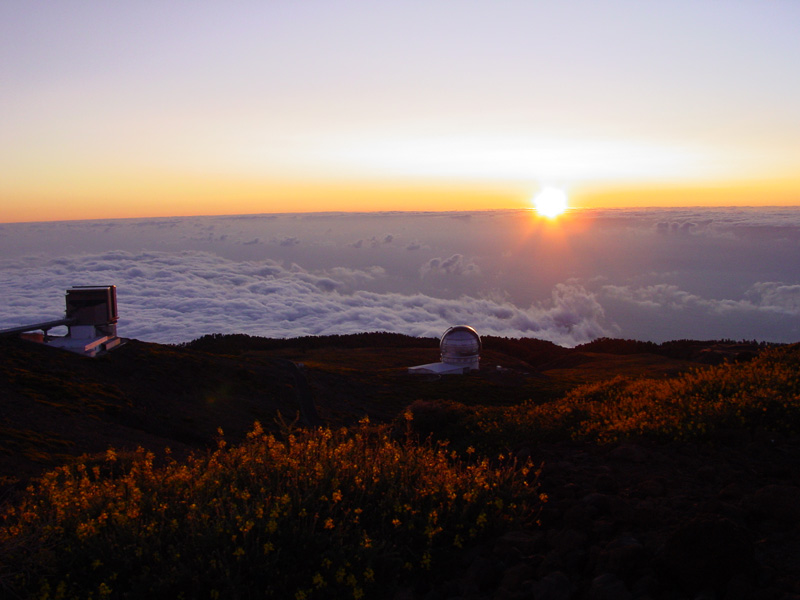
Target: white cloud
(643,274)
(355,278)
(762,296)
(453,265)
(676,228)
(775,296)
(178,297)
(766,311)
(661,296)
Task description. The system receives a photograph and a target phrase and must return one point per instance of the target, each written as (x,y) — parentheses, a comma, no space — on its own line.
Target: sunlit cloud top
(174,107)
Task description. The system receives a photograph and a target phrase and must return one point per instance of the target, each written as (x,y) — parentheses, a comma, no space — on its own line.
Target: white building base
(84,343)
(439,368)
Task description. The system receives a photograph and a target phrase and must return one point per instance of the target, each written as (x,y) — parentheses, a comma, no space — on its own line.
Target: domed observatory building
(460,348)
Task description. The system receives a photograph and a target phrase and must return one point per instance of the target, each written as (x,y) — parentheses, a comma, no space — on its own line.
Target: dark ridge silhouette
(708,351)
(241,342)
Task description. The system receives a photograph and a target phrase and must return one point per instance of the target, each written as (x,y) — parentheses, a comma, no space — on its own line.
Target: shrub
(318,514)
(760,395)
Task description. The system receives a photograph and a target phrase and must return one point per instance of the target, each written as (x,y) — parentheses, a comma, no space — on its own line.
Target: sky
(647,274)
(159,109)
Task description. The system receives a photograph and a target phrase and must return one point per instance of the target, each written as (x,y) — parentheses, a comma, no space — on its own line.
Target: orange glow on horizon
(140,197)
(749,193)
(196,197)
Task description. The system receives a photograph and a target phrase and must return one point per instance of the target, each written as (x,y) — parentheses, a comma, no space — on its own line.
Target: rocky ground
(650,521)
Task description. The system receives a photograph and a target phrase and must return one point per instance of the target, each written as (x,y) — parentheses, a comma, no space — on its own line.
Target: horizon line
(531,209)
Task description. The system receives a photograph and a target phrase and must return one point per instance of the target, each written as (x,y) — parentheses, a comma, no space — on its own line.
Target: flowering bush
(318,514)
(760,395)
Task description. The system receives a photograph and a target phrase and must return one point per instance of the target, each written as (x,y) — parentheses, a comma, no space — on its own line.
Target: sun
(550,202)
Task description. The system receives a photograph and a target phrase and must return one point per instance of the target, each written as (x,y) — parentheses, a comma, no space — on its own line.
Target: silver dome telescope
(461,345)
(460,348)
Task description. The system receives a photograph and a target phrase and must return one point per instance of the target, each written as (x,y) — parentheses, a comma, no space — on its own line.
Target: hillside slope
(57,405)
(662,477)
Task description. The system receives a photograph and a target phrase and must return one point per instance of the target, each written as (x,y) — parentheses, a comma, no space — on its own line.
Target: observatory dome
(461,345)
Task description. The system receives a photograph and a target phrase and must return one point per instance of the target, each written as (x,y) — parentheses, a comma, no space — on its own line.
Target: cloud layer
(175,297)
(654,275)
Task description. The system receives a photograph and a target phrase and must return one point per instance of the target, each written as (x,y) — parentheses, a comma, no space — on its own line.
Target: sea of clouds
(657,274)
